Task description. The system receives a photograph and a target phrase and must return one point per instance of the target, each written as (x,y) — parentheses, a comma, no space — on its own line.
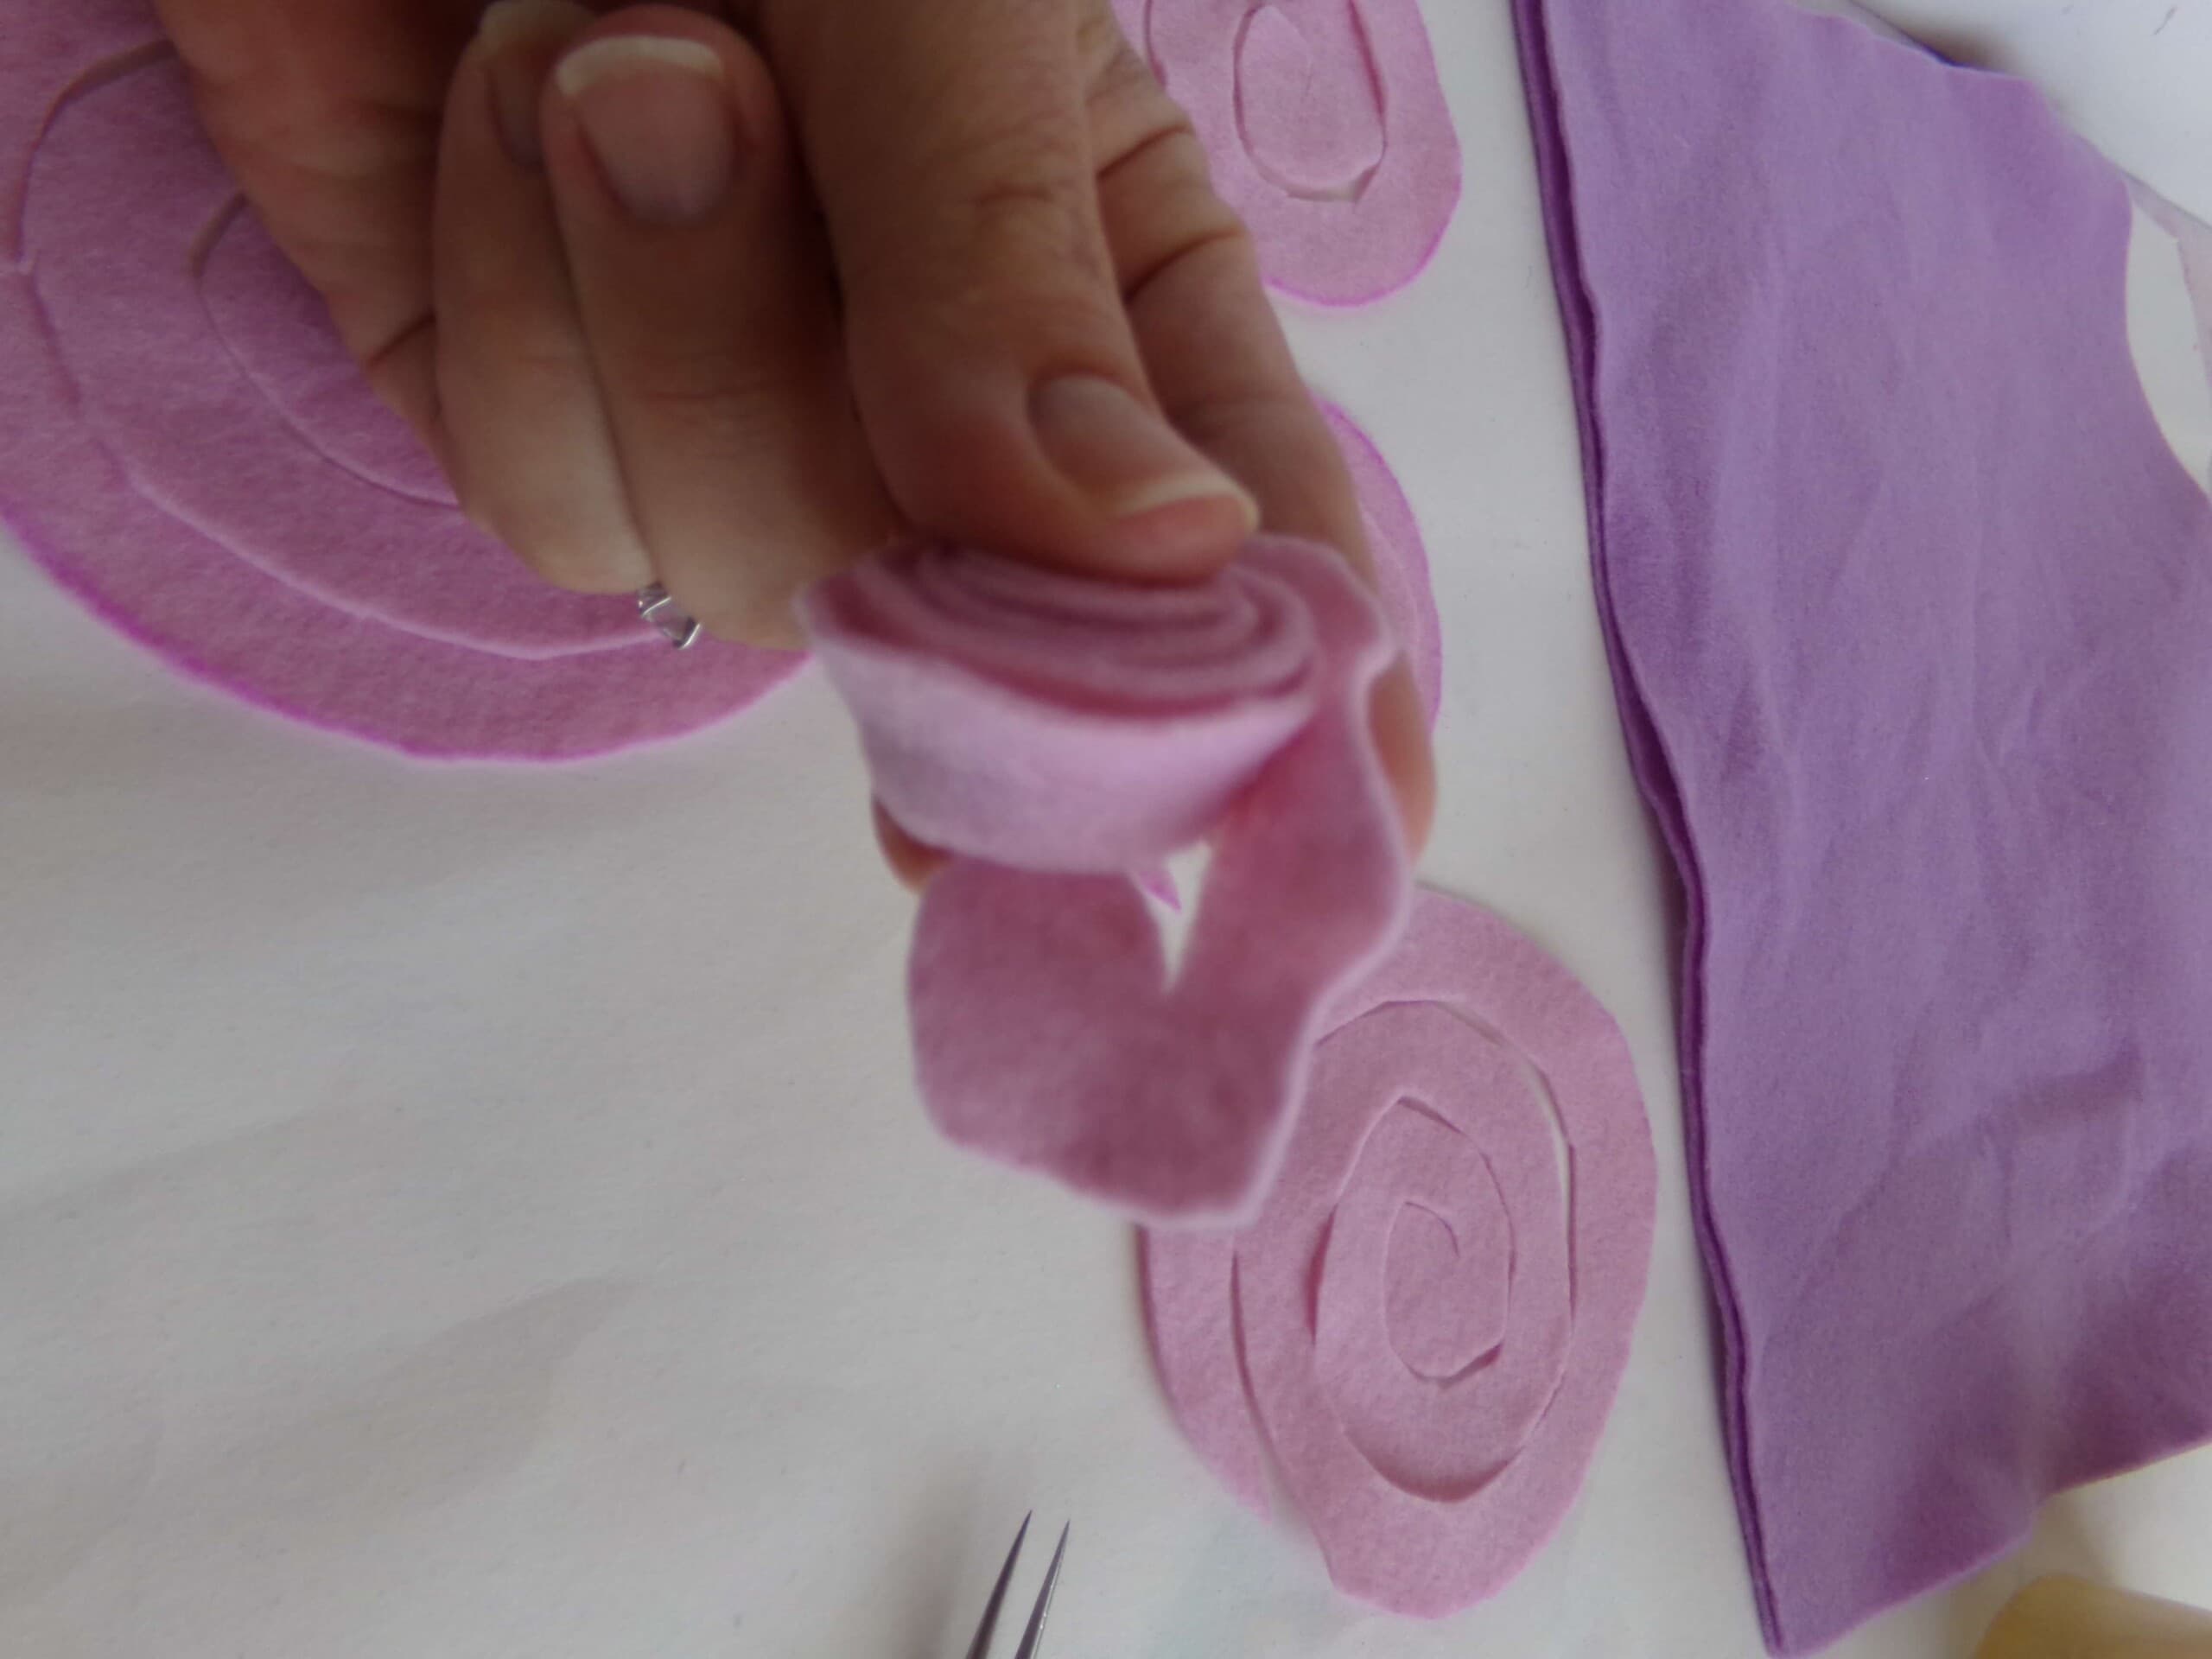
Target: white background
(481,1212)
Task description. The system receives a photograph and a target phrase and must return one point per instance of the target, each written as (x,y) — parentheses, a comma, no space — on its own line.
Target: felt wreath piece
(1422,1332)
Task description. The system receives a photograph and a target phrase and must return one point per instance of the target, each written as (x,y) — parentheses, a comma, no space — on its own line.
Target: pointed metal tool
(1033,1638)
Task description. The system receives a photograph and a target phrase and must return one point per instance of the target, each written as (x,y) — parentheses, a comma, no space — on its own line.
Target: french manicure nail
(655,111)
(1124,457)
(519,39)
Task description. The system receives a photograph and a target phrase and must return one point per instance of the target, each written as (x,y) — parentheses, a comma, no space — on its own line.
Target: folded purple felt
(1422,1330)
(1054,733)
(185,445)
(1909,609)
(1325,127)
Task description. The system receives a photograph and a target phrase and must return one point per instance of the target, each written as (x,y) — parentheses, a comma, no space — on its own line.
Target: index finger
(1212,346)
(1220,367)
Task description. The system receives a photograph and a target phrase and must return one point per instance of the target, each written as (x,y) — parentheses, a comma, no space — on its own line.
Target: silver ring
(679,628)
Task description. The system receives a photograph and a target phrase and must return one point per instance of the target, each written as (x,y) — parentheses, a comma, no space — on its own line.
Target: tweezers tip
(1032,1638)
(989,1626)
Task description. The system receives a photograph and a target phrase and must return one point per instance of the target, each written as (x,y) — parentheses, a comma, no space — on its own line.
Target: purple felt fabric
(1325,127)
(1423,1330)
(1909,609)
(186,446)
(1055,733)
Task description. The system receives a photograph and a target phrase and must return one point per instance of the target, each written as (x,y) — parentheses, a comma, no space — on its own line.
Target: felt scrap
(1422,1332)
(1910,613)
(1055,733)
(189,450)
(1327,129)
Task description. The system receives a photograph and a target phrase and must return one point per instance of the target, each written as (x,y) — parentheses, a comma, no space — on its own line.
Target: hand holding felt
(186,445)
(1052,734)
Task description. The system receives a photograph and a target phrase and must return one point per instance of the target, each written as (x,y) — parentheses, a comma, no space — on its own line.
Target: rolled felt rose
(1054,733)
(1161,702)
(1423,1330)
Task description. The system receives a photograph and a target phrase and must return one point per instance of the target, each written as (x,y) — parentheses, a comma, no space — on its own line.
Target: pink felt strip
(186,446)
(1326,128)
(1401,574)
(1423,1331)
(1054,733)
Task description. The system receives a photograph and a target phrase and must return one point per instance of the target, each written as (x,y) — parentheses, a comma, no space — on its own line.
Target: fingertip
(517,42)
(1162,508)
(910,862)
(518,426)
(1401,744)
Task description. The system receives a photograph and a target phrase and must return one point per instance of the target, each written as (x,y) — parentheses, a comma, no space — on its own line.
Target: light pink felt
(1423,1331)
(1402,575)
(1326,128)
(1054,733)
(185,445)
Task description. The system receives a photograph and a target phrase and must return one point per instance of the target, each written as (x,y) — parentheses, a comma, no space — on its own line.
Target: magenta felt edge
(179,663)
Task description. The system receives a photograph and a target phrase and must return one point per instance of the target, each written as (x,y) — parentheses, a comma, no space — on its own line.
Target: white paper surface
(458,1212)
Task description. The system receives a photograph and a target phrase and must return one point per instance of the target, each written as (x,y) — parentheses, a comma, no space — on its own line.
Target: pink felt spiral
(187,446)
(1326,128)
(1055,733)
(1424,1327)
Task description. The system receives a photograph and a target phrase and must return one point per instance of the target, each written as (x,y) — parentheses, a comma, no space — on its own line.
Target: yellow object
(2072,1619)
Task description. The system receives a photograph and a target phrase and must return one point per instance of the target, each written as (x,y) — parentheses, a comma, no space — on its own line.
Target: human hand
(725,311)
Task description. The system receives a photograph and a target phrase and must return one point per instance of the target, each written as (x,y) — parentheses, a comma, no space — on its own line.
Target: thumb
(991,353)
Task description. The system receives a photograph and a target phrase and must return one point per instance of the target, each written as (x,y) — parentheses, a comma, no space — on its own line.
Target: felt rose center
(1308,101)
(1446,1285)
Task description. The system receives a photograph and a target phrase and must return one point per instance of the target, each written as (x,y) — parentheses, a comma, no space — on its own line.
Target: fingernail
(520,37)
(1121,455)
(655,111)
